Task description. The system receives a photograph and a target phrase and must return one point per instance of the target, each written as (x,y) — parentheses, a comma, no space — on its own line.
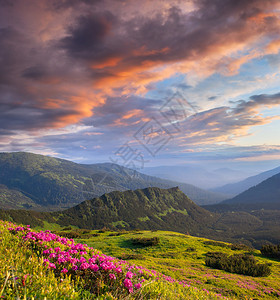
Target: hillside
(47,183)
(43,265)
(126,265)
(159,209)
(183,257)
(150,208)
(243,185)
(265,192)
(10,198)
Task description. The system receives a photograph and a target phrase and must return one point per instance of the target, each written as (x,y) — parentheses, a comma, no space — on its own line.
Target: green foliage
(126,256)
(272,251)
(240,247)
(145,242)
(150,208)
(238,263)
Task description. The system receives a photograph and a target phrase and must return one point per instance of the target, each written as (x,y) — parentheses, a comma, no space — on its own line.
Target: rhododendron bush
(97,272)
(70,270)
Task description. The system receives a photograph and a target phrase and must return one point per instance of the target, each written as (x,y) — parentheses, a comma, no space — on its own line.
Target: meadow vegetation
(43,265)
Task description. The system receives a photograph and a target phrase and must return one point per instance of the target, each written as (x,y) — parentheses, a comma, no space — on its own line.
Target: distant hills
(265,192)
(197,175)
(241,186)
(45,183)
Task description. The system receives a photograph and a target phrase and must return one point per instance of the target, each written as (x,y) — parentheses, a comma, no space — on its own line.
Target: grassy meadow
(43,265)
(183,257)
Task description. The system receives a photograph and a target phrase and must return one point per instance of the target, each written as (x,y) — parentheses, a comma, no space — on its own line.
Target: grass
(183,258)
(25,275)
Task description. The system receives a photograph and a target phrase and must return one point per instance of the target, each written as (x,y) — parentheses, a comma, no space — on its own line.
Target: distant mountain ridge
(241,186)
(268,191)
(197,175)
(51,183)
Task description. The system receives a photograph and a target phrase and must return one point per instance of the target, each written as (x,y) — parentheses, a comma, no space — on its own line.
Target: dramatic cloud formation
(90,74)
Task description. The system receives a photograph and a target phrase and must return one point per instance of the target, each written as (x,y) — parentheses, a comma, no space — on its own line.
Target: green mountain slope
(10,198)
(150,208)
(158,209)
(53,183)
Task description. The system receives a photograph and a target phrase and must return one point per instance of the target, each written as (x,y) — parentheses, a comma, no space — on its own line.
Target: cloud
(256,101)
(226,124)
(92,62)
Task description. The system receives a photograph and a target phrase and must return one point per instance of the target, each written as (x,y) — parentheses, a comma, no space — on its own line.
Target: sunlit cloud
(93,64)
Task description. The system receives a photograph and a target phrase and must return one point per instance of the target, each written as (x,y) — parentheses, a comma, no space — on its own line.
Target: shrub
(67,228)
(145,242)
(71,234)
(245,264)
(127,256)
(272,251)
(115,233)
(85,231)
(240,247)
(190,249)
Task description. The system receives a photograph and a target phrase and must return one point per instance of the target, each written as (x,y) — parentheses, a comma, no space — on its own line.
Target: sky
(142,83)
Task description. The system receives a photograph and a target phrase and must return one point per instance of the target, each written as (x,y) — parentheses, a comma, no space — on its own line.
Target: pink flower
(94,267)
(118,270)
(127,283)
(51,265)
(84,266)
(75,268)
(129,275)
(112,276)
(64,270)
(138,286)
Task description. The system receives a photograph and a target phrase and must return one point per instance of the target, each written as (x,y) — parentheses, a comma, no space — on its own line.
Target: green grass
(23,276)
(183,257)
(179,256)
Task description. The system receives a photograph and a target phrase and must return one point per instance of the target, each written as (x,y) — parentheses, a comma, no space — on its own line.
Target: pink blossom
(127,283)
(84,266)
(129,275)
(138,285)
(51,265)
(75,268)
(94,267)
(64,270)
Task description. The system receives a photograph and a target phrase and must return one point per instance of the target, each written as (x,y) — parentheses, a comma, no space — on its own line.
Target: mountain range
(197,175)
(234,189)
(45,183)
(158,209)
(266,192)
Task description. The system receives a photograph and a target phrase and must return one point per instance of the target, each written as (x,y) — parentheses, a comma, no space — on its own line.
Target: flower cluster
(92,270)
(64,256)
